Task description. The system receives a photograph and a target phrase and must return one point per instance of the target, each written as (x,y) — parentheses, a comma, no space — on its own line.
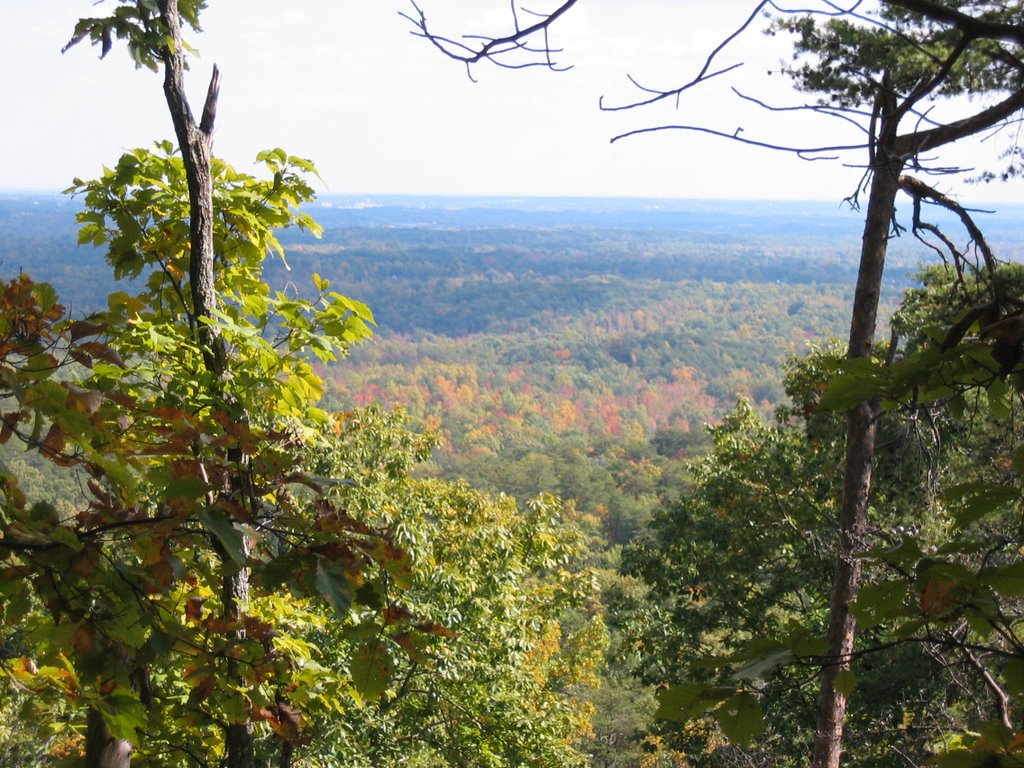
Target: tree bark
(860,451)
(196,145)
(102,750)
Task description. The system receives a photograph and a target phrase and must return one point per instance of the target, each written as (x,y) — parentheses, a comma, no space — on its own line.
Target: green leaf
(185,488)
(161,642)
(682,702)
(332,584)
(998,398)
(1013,677)
(876,602)
(230,537)
(372,670)
(909,628)
(980,624)
(973,501)
(67,537)
(857,380)
(45,295)
(125,715)
(803,644)
(846,682)
(740,717)
(1007,580)
(762,659)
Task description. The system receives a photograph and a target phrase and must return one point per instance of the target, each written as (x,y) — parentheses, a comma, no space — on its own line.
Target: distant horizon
(972,205)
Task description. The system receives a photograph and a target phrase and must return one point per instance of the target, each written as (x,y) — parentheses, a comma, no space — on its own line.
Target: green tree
(505,592)
(955,585)
(919,53)
(739,571)
(734,611)
(189,474)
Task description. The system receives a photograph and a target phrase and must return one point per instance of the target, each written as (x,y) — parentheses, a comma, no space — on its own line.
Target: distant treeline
(456,281)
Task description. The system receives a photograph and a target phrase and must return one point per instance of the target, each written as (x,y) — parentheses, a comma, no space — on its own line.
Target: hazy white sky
(344,83)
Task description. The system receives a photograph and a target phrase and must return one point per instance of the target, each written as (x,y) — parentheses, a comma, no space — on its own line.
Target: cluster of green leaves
(494,584)
(139,24)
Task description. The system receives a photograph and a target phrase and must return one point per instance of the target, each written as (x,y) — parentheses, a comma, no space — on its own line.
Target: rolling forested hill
(524,330)
(501,321)
(567,345)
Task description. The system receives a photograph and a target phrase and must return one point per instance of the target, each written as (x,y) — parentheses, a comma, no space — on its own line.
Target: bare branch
(837,10)
(1002,698)
(210,107)
(702,76)
(493,49)
(918,190)
(840,113)
(803,152)
(195,143)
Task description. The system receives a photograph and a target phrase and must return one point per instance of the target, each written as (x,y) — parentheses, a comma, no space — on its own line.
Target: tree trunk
(238,739)
(102,750)
(860,452)
(287,752)
(196,145)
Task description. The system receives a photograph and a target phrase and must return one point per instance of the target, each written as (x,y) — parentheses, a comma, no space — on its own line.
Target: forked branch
(920,192)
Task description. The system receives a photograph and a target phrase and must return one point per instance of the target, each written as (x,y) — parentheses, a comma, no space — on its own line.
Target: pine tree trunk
(860,453)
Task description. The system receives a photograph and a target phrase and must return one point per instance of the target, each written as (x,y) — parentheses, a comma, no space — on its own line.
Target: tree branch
(196,144)
(1002,699)
(971,26)
(801,151)
(493,48)
(701,76)
(918,190)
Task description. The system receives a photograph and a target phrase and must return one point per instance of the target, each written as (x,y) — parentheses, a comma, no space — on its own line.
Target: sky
(380,111)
